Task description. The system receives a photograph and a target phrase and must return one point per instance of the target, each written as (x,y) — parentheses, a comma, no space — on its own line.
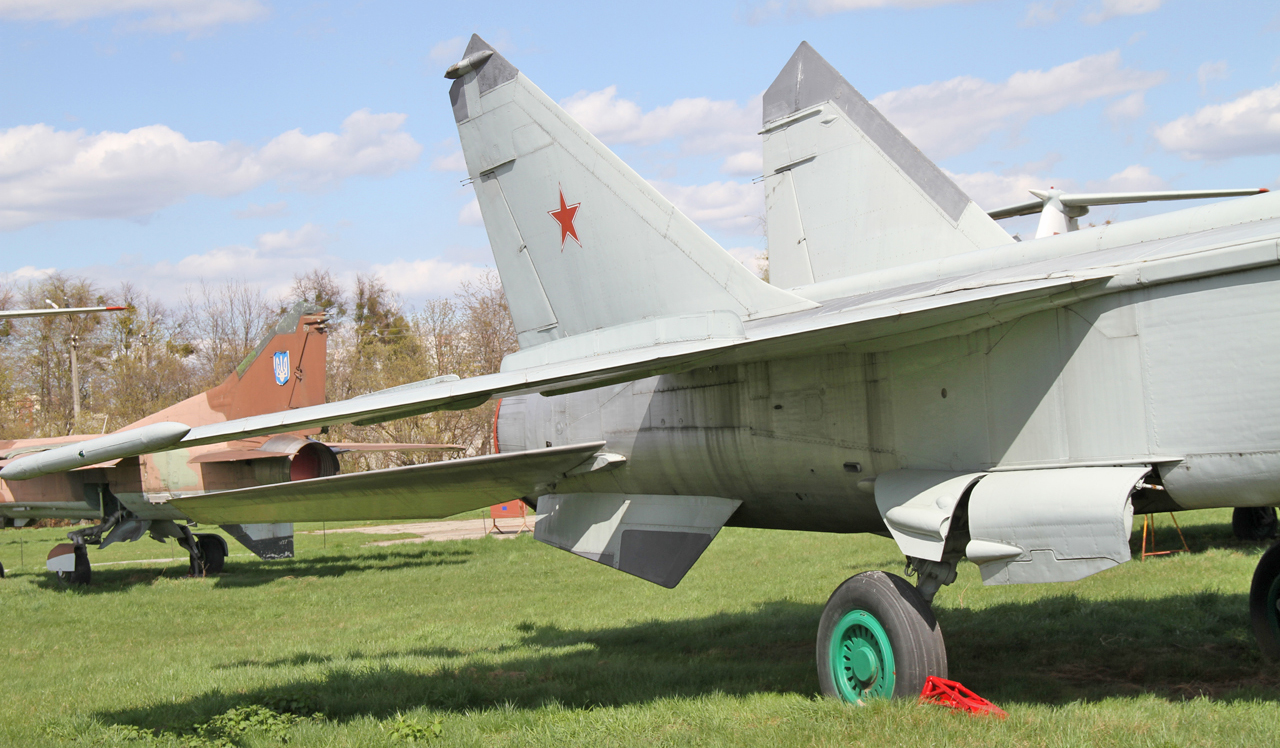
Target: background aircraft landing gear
(213,550)
(1264,597)
(878,639)
(1254,522)
(82,574)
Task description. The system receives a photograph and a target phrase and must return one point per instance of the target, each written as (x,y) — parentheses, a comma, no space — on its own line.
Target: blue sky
(167,142)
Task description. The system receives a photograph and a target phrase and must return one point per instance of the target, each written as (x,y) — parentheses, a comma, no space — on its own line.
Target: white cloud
(1128,108)
(268,264)
(752,257)
(426,278)
(25,273)
(744,164)
(452,161)
(51,175)
(369,144)
(824,7)
(728,206)
(148,15)
(990,190)
(700,126)
(309,239)
(448,51)
(763,11)
(1135,178)
(951,117)
(1113,8)
(1211,71)
(1045,13)
(1249,125)
(270,210)
(470,214)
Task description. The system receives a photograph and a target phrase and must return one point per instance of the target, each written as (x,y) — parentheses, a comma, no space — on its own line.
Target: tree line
(153,355)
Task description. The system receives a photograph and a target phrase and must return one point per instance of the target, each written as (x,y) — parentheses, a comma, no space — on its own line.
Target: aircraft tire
(214,550)
(83,573)
(878,639)
(1254,522)
(1264,603)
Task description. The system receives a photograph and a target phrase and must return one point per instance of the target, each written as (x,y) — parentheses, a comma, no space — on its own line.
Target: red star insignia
(564,217)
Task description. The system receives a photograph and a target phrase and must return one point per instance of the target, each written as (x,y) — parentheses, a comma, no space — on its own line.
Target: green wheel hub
(862,660)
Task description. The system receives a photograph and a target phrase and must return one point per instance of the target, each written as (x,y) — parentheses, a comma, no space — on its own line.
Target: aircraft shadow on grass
(1050,651)
(255,573)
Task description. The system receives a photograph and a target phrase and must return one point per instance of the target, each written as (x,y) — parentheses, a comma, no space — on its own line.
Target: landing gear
(1264,603)
(213,550)
(878,639)
(1254,522)
(76,570)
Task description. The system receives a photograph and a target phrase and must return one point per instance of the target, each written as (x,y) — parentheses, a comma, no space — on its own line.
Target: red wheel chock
(950,693)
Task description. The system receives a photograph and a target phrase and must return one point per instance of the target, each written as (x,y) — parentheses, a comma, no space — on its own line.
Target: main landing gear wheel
(213,549)
(878,639)
(1254,522)
(1264,603)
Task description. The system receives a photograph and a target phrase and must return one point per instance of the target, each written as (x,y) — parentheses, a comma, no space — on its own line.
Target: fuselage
(1179,376)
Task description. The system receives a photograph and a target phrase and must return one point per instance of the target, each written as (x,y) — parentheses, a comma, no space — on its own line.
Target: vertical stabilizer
(581,241)
(286,370)
(846,192)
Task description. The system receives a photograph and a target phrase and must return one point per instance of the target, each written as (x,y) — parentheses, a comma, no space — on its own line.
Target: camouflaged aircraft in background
(131,495)
(911,370)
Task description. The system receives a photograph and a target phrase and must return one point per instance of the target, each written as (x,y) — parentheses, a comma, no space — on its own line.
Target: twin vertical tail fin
(846,192)
(581,241)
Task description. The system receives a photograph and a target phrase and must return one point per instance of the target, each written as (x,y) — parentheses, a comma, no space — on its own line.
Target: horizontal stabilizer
(1060,210)
(431,491)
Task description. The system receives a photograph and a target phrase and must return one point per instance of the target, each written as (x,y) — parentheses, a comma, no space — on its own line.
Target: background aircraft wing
(53,312)
(431,491)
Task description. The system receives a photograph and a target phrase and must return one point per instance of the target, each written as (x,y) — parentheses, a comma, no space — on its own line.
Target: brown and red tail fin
(286,370)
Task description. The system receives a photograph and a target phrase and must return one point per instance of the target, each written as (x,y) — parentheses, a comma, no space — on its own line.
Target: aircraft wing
(611,356)
(430,491)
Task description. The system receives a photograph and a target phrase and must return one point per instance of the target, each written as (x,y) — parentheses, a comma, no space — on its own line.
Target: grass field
(510,642)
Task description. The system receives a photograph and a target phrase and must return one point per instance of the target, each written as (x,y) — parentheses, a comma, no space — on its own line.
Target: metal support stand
(1149,523)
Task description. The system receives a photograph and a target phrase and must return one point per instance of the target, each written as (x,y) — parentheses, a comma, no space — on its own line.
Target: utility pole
(75,375)
(75,382)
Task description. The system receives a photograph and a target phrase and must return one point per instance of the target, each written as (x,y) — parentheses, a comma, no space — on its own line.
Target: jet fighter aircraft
(911,371)
(131,495)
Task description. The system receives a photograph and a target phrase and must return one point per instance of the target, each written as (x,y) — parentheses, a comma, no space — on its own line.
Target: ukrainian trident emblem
(281,362)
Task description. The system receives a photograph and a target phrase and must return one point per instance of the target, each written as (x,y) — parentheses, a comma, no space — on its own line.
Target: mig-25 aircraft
(130,495)
(911,371)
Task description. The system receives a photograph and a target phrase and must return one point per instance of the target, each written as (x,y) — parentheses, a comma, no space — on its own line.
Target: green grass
(510,642)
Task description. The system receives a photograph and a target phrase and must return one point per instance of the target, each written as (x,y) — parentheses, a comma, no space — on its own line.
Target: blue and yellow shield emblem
(281,362)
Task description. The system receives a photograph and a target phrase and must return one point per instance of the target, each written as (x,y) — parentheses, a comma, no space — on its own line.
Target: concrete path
(467,529)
